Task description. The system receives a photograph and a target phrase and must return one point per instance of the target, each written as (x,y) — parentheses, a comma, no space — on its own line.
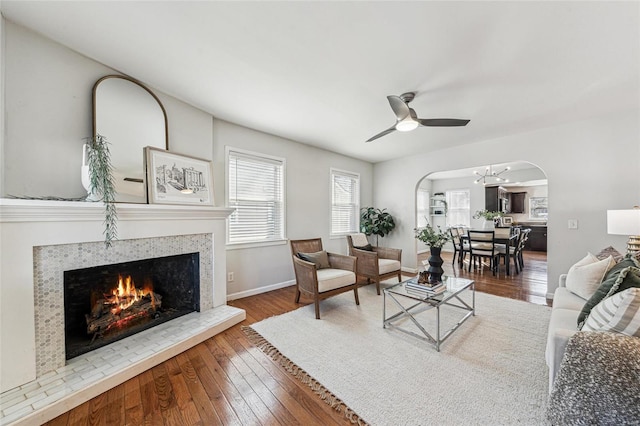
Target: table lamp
(625,222)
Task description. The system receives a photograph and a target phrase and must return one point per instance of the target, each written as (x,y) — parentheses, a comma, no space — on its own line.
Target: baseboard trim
(409,270)
(260,290)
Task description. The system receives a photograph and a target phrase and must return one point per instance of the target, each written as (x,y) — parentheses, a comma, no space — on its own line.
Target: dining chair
(508,251)
(460,245)
(525,237)
(481,246)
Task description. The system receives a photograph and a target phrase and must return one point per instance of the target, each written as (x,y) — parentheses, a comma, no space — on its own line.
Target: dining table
(507,241)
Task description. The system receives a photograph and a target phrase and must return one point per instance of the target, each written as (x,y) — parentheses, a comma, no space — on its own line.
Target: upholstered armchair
(319,274)
(375,263)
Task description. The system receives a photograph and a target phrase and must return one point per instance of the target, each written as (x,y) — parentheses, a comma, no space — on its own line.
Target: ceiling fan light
(406,125)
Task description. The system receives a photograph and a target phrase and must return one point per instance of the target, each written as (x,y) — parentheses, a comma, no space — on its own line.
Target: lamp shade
(623,222)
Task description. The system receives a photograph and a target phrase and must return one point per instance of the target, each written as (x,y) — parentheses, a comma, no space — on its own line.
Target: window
(459,207)
(256,190)
(345,202)
(422,205)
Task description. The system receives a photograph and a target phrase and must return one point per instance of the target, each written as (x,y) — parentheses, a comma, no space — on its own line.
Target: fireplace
(106,303)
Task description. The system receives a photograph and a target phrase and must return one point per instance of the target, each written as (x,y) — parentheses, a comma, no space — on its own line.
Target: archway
(518,188)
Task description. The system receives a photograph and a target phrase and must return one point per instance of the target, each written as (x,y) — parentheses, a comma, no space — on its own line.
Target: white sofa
(562,325)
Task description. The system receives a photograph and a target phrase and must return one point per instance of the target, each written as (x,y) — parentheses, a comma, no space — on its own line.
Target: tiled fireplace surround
(42,239)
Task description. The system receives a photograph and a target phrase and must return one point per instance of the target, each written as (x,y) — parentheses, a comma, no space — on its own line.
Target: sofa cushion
(329,279)
(607,284)
(565,299)
(387,265)
(619,313)
(585,276)
(320,258)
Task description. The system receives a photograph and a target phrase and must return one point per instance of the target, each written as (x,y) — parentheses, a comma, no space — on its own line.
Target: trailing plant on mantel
(101,184)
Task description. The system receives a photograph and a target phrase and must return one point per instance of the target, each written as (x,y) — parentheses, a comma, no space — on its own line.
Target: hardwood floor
(530,285)
(226,380)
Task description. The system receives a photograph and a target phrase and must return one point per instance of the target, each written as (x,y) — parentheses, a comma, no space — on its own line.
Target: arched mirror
(130,117)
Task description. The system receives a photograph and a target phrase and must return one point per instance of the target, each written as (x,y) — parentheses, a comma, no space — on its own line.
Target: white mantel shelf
(19,210)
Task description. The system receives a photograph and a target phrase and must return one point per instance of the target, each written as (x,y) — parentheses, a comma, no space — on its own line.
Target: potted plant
(490,217)
(376,222)
(435,239)
(100,185)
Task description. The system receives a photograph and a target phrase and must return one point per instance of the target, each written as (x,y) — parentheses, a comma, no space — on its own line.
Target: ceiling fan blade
(442,122)
(381,134)
(399,107)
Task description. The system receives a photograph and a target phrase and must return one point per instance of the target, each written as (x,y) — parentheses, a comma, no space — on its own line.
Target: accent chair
(375,263)
(319,274)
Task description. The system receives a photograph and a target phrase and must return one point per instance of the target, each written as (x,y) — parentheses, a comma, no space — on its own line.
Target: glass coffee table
(411,303)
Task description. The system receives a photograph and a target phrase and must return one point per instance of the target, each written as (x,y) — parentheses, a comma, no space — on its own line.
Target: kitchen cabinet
(537,239)
(516,204)
(495,199)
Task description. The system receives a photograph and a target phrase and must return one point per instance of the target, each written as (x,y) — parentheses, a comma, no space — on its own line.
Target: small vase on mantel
(435,265)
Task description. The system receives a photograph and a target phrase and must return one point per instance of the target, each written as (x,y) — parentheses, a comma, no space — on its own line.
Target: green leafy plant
(431,236)
(376,222)
(101,184)
(487,215)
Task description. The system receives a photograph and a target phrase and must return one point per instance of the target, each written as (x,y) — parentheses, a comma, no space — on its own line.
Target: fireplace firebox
(106,303)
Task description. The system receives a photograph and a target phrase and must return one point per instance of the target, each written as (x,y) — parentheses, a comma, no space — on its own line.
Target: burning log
(113,311)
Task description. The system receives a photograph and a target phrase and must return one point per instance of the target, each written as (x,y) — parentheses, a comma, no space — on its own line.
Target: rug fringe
(327,396)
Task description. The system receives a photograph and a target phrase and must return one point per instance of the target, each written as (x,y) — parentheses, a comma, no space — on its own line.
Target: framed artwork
(178,179)
(506,220)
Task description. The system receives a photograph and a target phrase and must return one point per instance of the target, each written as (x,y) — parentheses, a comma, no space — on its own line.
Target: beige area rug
(491,371)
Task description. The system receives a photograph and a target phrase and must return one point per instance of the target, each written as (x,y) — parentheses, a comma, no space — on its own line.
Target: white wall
(48,104)
(591,166)
(308,197)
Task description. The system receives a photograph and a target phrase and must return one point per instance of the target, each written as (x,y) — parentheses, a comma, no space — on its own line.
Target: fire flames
(127,294)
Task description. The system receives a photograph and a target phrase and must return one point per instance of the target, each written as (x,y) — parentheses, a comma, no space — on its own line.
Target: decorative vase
(488,224)
(435,265)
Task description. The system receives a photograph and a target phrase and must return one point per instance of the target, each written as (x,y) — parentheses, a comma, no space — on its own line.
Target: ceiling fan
(406,118)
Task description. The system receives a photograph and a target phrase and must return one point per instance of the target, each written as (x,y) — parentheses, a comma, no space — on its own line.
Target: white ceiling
(319,72)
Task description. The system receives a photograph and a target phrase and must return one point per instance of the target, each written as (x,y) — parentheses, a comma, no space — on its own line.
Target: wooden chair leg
(378,286)
(317,303)
(297,295)
(453,261)
(355,292)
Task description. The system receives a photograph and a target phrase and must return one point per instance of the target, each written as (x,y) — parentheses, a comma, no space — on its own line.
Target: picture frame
(178,179)
(506,220)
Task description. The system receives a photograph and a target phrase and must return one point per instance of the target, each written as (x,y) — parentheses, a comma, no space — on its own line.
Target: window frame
(230,245)
(333,172)
(449,207)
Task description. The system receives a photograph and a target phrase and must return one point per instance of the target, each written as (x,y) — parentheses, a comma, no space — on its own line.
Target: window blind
(256,191)
(345,202)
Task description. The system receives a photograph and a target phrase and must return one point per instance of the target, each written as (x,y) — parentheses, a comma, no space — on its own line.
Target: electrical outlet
(230,277)
(573,223)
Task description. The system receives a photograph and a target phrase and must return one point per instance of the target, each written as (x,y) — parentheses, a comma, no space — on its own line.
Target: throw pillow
(585,276)
(614,277)
(320,258)
(367,247)
(359,240)
(619,313)
(610,251)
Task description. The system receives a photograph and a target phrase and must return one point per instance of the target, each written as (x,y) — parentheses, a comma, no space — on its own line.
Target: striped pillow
(619,313)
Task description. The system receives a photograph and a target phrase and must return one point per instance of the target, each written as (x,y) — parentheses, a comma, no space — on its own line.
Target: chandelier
(489,173)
